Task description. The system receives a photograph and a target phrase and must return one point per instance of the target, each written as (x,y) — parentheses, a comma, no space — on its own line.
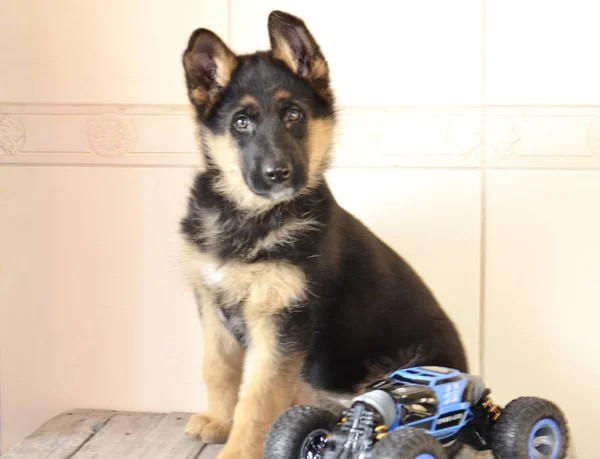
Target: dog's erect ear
(292,43)
(208,64)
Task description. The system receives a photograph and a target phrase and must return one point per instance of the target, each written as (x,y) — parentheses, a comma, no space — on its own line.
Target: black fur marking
(367,307)
(295,327)
(235,322)
(260,75)
(367,310)
(239,233)
(269,137)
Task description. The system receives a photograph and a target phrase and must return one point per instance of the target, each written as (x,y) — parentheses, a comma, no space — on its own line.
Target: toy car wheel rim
(314,444)
(544,440)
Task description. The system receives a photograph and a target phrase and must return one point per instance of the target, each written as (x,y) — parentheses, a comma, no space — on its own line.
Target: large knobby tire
(299,428)
(453,447)
(409,443)
(530,428)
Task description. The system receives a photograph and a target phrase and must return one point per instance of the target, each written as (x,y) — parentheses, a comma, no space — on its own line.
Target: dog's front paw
(208,428)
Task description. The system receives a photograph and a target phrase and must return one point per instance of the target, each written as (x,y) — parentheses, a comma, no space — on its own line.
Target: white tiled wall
(542,52)
(384,52)
(472,126)
(543,291)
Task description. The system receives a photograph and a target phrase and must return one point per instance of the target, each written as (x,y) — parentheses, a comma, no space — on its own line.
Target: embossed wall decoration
(594,137)
(12,135)
(542,137)
(110,135)
(450,137)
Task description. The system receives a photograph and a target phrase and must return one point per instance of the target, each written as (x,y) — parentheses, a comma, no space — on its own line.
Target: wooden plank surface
(61,436)
(101,434)
(210,452)
(168,440)
(123,437)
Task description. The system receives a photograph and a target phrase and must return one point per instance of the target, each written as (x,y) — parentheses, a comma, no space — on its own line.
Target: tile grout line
(229,24)
(483,197)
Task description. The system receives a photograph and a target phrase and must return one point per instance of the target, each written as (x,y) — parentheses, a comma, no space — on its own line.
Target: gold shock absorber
(492,409)
(381,432)
(344,419)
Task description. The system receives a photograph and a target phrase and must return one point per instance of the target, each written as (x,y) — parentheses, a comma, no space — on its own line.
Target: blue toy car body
(422,412)
(451,409)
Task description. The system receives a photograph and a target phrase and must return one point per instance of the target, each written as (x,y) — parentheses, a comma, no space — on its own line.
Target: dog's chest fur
(235,287)
(243,266)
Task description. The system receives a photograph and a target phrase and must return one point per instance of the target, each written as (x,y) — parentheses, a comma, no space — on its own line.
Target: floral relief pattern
(594,137)
(463,136)
(110,135)
(528,136)
(12,135)
(502,137)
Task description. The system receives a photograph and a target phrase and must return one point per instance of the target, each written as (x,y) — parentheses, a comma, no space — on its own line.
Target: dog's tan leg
(270,379)
(222,371)
(304,394)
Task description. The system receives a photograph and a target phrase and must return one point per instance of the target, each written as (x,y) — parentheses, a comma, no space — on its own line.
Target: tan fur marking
(226,65)
(270,379)
(269,376)
(282,94)
(266,288)
(223,357)
(319,68)
(284,235)
(320,132)
(313,73)
(224,153)
(303,394)
(222,370)
(248,100)
(199,96)
(283,52)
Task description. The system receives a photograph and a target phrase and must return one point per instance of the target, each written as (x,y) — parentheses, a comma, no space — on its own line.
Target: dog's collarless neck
(284,231)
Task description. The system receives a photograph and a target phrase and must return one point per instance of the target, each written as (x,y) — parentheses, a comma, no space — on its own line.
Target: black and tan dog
(300,303)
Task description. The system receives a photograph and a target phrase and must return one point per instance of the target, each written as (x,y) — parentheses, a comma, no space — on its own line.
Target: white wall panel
(94,313)
(384,52)
(113,51)
(97,149)
(543,294)
(93,310)
(542,52)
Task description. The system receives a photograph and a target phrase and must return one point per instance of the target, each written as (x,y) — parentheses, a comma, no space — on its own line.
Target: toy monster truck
(422,413)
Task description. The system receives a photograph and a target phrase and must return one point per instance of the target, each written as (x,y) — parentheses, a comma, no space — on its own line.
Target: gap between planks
(104,434)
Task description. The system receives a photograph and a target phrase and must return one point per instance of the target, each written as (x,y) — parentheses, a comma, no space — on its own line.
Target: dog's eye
(293,114)
(241,123)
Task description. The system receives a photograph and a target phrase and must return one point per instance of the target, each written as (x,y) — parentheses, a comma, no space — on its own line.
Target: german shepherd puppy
(300,302)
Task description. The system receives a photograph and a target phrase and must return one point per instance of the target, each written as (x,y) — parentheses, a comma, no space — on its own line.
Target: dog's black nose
(277,172)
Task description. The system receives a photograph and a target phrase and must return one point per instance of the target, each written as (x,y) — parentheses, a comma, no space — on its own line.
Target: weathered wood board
(102,434)
(62,436)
